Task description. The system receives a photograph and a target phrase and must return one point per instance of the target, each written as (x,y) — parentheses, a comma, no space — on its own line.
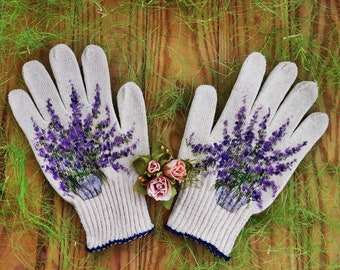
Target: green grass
(28,29)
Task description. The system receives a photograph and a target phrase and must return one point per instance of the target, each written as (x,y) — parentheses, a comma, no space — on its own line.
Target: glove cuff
(198,217)
(118,215)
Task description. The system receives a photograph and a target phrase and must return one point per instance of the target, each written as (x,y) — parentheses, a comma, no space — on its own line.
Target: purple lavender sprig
(246,161)
(75,154)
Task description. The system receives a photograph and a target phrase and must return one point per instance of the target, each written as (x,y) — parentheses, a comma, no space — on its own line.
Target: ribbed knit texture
(206,222)
(115,217)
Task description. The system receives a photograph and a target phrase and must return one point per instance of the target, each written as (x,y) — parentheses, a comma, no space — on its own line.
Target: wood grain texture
(169,48)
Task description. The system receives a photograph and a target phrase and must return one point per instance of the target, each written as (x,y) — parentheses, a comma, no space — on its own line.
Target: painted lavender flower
(74,154)
(246,161)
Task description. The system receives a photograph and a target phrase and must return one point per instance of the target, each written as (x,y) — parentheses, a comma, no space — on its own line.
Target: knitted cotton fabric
(84,152)
(249,155)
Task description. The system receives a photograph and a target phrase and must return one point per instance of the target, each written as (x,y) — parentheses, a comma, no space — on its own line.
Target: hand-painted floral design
(74,154)
(245,160)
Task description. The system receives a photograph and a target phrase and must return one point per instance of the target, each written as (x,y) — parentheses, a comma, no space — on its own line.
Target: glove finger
(244,91)
(310,130)
(25,112)
(97,76)
(275,88)
(67,74)
(132,113)
(42,89)
(295,106)
(27,116)
(201,116)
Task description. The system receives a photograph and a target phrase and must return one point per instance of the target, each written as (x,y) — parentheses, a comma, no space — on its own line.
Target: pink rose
(175,169)
(159,188)
(153,167)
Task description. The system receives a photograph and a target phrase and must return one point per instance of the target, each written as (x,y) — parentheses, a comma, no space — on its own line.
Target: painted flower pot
(89,187)
(230,199)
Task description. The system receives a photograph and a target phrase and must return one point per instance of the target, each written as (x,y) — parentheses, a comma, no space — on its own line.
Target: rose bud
(159,188)
(175,169)
(153,167)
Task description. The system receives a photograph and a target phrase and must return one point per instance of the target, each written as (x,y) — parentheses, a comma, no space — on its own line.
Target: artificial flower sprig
(160,175)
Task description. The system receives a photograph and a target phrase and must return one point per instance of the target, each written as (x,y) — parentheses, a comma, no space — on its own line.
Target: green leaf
(167,204)
(159,149)
(166,157)
(140,164)
(188,165)
(140,187)
(158,174)
(173,182)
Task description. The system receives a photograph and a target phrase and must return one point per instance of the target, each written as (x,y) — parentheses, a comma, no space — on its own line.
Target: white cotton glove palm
(249,155)
(83,150)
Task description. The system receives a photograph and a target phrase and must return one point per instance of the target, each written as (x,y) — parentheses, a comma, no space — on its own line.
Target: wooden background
(169,48)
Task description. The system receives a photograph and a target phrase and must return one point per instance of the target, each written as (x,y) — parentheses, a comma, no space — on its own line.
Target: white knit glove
(249,155)
(84,152)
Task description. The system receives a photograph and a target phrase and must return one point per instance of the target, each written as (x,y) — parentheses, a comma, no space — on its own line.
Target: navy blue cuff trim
(211,247)
(119,241)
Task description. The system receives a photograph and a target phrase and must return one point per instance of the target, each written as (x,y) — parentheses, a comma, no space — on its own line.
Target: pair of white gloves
(85,151)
